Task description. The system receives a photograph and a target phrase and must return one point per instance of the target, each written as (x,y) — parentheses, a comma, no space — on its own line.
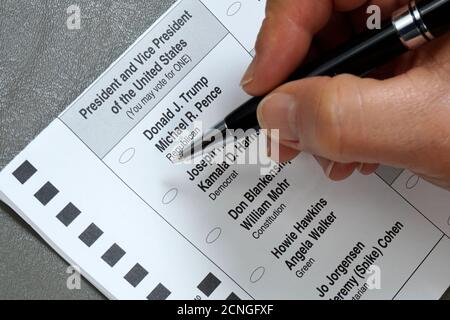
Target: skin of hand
(400,117)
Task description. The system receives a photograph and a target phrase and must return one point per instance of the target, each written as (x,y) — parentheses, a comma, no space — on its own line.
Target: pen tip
(200,145)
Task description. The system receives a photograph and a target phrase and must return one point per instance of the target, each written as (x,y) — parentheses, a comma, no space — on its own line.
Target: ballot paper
(99,185)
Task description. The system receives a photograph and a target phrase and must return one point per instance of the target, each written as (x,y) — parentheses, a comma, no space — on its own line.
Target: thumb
(348,119)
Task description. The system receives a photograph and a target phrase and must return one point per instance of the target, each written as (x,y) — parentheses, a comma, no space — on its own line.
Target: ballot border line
(398,176)
(417,268)
(159,102)
(229,31)
(407,201)
(164,219)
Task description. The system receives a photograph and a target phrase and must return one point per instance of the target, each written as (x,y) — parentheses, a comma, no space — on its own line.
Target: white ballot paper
(99,186)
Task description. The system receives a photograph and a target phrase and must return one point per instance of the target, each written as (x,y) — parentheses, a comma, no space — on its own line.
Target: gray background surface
(43,68)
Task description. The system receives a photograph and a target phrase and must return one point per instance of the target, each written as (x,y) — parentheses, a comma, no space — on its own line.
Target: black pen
(412,26)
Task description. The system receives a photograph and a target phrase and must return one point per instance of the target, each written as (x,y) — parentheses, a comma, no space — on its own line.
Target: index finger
(285,38)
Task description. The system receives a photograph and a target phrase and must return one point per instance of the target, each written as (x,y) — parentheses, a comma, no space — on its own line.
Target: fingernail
(330,168)
(326,165)
(249,74)
(279,111)
(361,167)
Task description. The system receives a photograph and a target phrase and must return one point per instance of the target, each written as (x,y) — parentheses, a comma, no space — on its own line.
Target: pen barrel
(368,51)
(435,15)
(245,117)
(422,21)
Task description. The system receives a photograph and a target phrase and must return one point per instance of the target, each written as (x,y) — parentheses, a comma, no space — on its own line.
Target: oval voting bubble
(448,221)
(127,155)
(234,8)
(412,182)
(170,196)
(257,274)
(213,235)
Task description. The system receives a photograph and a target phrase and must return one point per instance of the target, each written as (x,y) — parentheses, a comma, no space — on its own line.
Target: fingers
(328,38)
(356,123)
(284,41)
(348,5)
(367,168)
(352,120)
(285,38)
(286,34)
(334,170)
(282,153)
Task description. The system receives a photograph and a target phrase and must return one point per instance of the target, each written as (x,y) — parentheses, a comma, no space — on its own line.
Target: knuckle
(333,132)
(264,37)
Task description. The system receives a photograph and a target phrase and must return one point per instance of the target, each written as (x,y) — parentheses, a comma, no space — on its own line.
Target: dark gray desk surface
(43,68)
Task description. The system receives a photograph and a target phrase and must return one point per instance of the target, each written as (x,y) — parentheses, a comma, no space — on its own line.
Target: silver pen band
(410,26)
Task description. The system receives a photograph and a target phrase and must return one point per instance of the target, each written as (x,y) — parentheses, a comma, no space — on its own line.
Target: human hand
(401,119)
